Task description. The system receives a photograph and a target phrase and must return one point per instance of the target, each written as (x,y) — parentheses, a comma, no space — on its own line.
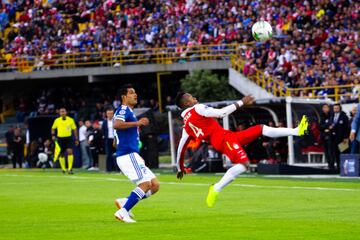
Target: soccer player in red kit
(200,123)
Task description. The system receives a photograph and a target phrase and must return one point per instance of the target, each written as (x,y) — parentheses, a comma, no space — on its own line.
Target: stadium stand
(316,43)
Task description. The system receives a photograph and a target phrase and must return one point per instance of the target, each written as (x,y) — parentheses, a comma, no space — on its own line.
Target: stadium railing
(279,89)
(27,63)
(178,54)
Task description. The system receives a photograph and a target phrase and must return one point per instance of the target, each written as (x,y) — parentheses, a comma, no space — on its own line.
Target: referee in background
(65,127)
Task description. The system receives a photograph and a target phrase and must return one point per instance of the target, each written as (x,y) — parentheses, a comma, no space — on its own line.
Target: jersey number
(197,131)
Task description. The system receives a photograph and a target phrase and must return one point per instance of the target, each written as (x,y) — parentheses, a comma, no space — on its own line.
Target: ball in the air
(261,31)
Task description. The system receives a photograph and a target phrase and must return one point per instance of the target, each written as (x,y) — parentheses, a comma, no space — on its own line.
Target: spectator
(22,110)
(89,130)
(99,112)
(154,105)
(32,155)
(46,155)
(116,102)
(84,111)
(169,101)
(315,44)
(328,135)
(270,145)
(142,104)
(94,137)
(341,130)
(18,148)
(9,136)
(108,133)
(355,131)
(84,145)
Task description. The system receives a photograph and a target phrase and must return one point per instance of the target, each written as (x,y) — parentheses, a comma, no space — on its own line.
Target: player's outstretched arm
(180,154)
(222,112)
(248,100)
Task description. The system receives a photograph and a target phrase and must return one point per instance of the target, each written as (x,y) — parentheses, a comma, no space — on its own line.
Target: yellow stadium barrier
(178,54)
(121,57)
(278,88)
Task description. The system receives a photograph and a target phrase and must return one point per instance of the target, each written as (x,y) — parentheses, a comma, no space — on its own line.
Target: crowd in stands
(316,42)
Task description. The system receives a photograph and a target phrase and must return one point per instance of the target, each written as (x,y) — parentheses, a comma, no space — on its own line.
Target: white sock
(229,176)
(279,132)
(147,194)
(123,212)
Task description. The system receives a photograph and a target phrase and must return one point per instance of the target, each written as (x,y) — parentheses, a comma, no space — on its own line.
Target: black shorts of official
(65,143)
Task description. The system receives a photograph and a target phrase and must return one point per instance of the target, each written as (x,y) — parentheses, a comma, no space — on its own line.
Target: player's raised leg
(300,130)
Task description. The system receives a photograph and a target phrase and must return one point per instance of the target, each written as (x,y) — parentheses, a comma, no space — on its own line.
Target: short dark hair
(179,99)
(124,89)
(337,104)
(62,106)
(109,108)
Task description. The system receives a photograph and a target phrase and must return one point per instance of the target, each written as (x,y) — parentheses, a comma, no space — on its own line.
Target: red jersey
(199,126)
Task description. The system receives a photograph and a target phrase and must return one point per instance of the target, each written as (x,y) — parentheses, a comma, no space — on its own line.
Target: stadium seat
(314,154)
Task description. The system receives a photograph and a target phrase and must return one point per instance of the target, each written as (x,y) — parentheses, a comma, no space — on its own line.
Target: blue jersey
(127,140)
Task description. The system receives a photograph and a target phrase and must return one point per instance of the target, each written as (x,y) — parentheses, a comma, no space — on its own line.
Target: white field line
(190,184)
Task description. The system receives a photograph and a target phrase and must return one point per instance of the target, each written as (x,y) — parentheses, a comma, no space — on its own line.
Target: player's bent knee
(246,165)
(155,185)
(145,186)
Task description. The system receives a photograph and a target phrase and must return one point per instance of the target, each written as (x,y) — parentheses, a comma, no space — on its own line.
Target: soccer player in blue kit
(126,132)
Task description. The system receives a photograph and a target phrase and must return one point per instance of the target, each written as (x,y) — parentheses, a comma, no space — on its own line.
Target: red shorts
(230,143)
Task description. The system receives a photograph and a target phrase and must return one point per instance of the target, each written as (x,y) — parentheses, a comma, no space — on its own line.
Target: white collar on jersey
(126,106)
(186,110)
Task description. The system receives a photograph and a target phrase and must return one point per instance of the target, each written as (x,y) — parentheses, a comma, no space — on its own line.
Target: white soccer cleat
(124,216)
(120,202)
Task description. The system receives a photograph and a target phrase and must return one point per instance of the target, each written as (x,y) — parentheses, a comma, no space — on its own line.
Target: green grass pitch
(48,205)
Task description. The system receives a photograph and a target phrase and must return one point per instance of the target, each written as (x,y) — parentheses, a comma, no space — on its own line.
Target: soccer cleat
(70,172)
(120,202)
(211,197)
(124,216)
(303,126)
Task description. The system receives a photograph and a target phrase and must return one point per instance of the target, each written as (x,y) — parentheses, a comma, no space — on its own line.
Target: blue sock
(134,198)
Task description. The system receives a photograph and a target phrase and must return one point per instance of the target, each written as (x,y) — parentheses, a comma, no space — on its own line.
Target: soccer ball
(261,31)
